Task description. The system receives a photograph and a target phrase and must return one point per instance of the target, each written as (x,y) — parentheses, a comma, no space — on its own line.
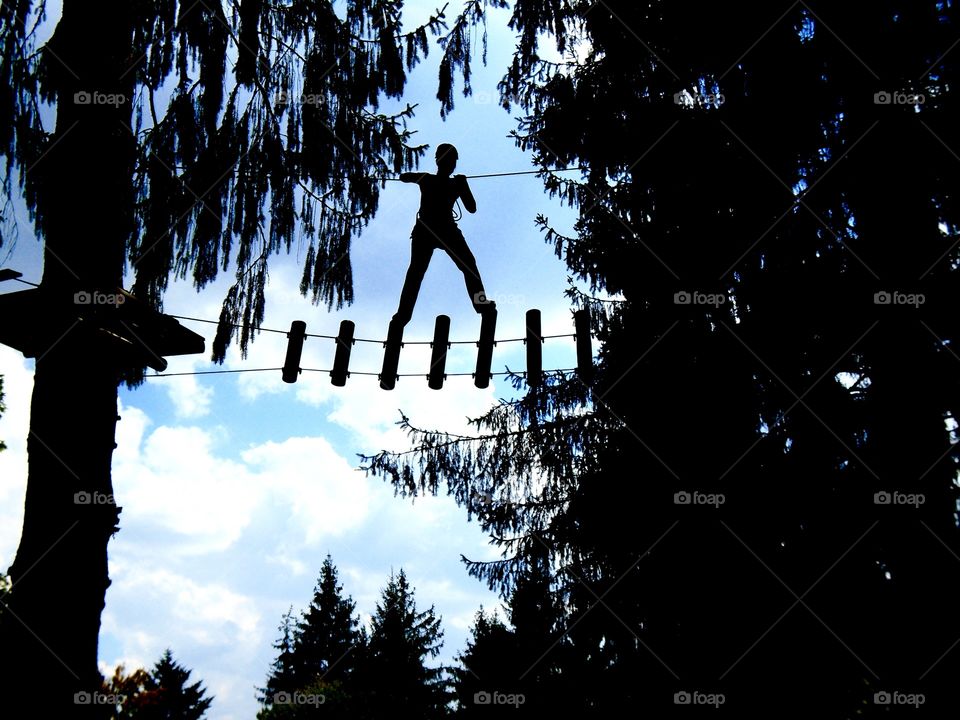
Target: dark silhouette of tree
(485,665)
(283,676)
(4,580)
(3,409)
(176,700)
(757,497)
(317,656)
(543,654)
(162,163)
(327,664)
(393,675)
(328,634)
(526,668)
(163,693)
(4,590)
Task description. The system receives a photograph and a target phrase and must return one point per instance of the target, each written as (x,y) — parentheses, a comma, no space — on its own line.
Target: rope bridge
(436,375)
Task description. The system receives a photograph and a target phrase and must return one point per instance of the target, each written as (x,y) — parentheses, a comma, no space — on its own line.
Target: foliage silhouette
(317,656)
(3,409)
(757,498)
(329,665)
(160,694)
(393,675)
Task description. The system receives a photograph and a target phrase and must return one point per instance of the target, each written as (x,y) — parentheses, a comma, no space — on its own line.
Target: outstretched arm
(411,177)
(468,200)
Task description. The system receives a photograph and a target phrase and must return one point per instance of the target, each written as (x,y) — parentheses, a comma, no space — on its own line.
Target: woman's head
(446,158)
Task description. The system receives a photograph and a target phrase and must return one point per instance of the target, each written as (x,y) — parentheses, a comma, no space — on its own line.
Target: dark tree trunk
(84,205)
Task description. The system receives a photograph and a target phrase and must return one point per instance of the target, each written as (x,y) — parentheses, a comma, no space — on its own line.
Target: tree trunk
(84,210)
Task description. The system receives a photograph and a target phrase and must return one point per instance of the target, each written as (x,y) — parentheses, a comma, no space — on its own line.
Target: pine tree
(543,653)
(485,665)
(526,668)
(176,700)
(160,694)
(284,672)
(317,656)
(3,409)
(394,676)
(328,634)
(4,579)
(773,222)
(328,665)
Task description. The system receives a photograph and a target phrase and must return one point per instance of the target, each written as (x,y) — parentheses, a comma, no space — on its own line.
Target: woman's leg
(420,252)
(456,247)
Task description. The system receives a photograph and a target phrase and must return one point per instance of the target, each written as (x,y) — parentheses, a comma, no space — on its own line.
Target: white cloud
(267,351)
(190,398)
(213,630)
(14,424)
(285,558)
(326,495)
(176,479)
(131,427)
(372,419)
(177,482)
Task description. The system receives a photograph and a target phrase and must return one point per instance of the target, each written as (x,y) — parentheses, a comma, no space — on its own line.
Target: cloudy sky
(235,487)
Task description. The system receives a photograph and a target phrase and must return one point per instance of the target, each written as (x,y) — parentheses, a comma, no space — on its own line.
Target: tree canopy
(403,639)
(3,409)
(763,474)
(328,663)
(317,656)
(162,693)
(254,128)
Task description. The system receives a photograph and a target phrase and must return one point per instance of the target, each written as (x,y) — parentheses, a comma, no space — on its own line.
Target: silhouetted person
(437,228)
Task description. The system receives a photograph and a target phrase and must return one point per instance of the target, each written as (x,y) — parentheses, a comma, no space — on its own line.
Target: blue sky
(235,487)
